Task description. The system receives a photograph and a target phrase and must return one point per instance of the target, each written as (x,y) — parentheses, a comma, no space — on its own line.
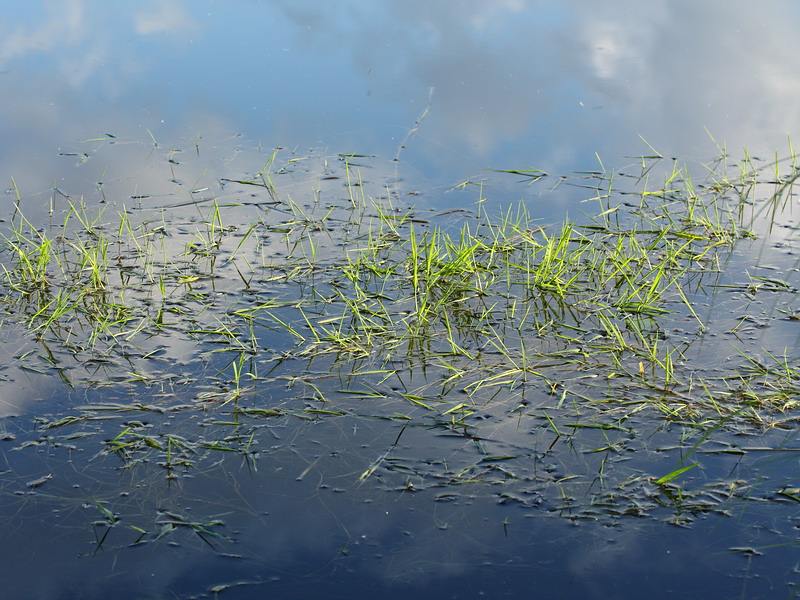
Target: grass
(474,325)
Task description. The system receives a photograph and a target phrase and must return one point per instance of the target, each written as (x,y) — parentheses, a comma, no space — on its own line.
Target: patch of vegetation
(486,326)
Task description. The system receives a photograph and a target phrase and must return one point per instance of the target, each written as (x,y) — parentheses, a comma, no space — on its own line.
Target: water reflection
(431,536)
(297,523)
(106,102)
(515,83)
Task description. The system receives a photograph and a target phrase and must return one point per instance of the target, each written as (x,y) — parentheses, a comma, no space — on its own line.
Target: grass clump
(477,326)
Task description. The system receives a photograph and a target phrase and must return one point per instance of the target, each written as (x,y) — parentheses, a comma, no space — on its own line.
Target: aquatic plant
(487,326)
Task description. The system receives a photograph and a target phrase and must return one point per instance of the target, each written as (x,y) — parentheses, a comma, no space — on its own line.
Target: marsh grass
(488,326)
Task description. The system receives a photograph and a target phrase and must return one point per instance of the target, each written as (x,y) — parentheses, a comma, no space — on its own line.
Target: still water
(156,110)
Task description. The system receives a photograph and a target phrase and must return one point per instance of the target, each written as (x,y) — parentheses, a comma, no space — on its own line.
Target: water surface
(330,482)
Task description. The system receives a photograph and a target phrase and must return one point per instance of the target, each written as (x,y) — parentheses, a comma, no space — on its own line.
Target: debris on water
(40,481)
(748,551)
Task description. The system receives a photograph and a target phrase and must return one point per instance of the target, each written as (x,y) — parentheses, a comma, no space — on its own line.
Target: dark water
(154,109)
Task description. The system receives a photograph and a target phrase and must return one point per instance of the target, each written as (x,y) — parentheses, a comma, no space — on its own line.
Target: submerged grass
(476,326)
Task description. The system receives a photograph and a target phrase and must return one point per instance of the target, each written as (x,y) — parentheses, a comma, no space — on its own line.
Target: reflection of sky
(300,525)
(514,82)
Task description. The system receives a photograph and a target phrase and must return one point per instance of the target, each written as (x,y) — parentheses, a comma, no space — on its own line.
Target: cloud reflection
(515,82)
(514,73)
(62,24)
(162,17)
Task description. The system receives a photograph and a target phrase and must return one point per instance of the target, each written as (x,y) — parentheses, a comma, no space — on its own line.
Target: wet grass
(553,350)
